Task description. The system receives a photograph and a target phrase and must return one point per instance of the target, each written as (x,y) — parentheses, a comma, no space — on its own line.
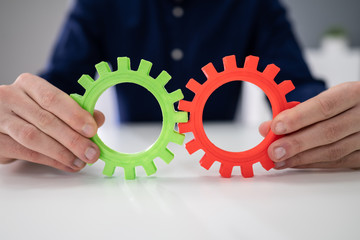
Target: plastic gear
(264,80)
(166,100)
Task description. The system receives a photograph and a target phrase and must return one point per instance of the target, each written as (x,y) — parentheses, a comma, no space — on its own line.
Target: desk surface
(181,201)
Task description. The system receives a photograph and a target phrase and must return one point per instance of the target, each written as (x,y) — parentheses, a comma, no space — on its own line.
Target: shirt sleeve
(78,47)
(274,42)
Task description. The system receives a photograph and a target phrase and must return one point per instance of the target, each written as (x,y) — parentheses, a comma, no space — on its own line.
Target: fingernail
(280,164)
(88,130)
(279,152)
(78,163)
(90,153)
(280,128)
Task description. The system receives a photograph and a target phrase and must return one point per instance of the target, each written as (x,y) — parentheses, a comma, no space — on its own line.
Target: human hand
(39,123)
(323,132)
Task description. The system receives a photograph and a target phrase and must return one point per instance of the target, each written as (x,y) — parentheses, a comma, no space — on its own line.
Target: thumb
(264,128)
(99,118)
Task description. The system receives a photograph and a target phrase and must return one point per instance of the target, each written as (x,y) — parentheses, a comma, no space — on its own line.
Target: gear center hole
(119,131)
(252,109)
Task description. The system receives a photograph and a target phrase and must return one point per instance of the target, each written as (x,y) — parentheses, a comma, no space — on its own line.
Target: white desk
(181,201)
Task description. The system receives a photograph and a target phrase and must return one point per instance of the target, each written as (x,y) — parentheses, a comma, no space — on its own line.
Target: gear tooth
(185,127)
(229,62)
(78,98)
(166,155)
(286,86)
(185,105)
(247,171)
(86,81)
(209,70)
(177,138)
(149,168)
(176,96)
(103,68)
(193,86)
(145,67)
(266,163)
(251,62)
(163,78)
(291,104)
(109,169)
(181,117)
(206,162)
(129,172)
(271,71)
(225,170)
(192,146)
(123,63)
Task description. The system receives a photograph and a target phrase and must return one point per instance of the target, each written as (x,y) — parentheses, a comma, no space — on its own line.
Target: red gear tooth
(209,70)
(266,163)
(251,62)
(225,170)
(247,171)
(286,86)
(229,62)
(193,85)
(249,73)
(271,71)
(192,146)
(185,127)
(206,162)
(185,106)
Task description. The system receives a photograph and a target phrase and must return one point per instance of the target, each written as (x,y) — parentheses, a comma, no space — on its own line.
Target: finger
(32,138)
(17,151)
(351,161)
(57,102)
(99,118)
(264,128)
(326,105)
(322,133)
(328,153)
(52,126)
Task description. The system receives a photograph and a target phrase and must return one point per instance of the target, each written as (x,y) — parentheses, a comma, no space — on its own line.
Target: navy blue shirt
(205,31)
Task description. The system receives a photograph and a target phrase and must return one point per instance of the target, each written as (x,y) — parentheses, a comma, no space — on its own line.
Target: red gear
(264,80)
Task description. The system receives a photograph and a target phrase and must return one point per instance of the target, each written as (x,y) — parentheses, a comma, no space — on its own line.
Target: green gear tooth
(166,155)
(149,168)
(86,81)
(181,117)
(129,173)
(176,96)
(78,98)
(109,169)
(145,67)
(124,74)
(163,78)
(123,63)
(103,68)
(177,138)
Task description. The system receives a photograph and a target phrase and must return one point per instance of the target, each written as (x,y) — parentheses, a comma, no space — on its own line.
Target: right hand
(39,123)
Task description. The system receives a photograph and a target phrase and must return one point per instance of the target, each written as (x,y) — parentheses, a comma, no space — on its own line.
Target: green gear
(124,74)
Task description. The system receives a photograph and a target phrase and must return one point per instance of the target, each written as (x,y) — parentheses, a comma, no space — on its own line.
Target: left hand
(322,132)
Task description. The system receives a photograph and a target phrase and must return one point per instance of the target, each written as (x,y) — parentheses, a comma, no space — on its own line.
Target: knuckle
(331,132)
(64,156)
(75,141)
(297,145)
(28,133)
(22,78)
(335,153)
(297,160)
(45,119)
(327,106)
(48,99)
